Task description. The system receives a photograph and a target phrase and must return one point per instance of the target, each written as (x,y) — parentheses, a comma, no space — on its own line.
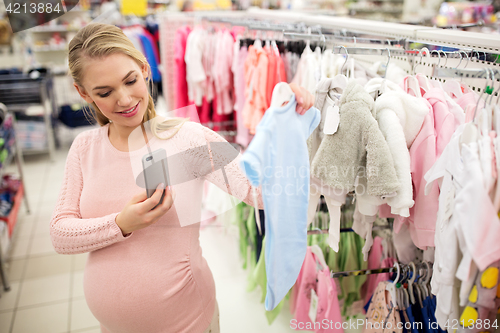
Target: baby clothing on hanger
(422,219)
(221,72)
(382,310)
(444,120)
(483,301)
(181,88)
(357,146)
(334,197)
(278,147)
(195,71)
(256,67)
(238,68)
(315,275)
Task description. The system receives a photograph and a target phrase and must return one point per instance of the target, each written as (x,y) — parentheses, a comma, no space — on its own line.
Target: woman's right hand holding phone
(138,213)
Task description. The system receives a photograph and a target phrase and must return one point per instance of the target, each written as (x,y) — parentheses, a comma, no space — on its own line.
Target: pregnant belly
(129,296)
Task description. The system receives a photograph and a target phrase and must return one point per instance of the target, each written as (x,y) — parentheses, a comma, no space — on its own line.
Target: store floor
(46,293)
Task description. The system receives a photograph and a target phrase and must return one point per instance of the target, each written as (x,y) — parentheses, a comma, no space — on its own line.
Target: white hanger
(257,43)
(319,254)
(410,283)
(453,86)
(282,93)
(391,287)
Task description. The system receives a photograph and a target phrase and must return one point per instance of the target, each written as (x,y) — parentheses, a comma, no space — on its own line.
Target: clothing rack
(362,272)
(468,73)
(403,270)
(325,231)
(354,31)
(352,39)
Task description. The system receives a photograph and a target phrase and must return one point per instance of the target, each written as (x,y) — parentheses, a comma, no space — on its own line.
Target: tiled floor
(46,288)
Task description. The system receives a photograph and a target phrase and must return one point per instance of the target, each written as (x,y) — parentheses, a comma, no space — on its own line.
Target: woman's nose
(124,99)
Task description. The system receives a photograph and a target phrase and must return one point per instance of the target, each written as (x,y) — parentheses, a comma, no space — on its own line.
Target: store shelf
(12,217)
(376,10)
(57,28)
(50,48)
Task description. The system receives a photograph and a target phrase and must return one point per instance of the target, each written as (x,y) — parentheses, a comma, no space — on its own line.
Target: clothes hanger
(391,287)
(470,133)
(417,286)
(498,98)
(453,87)
(346,58)
(486,89)
(257,43)
(427,281)
(487,103)
(422,274)
(493,73)
(412,85)
(410,283)
(387,64)
(436,82)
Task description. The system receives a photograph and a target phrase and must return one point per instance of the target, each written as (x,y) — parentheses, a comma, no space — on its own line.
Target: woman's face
(117,85)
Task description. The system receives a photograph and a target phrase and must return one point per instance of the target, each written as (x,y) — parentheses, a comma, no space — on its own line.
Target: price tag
(313,309)
(332,120)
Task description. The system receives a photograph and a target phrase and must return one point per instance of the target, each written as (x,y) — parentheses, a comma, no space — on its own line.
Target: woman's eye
(132,82)
(105,94)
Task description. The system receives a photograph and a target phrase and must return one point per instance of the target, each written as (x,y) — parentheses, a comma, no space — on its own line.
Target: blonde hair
(97,40)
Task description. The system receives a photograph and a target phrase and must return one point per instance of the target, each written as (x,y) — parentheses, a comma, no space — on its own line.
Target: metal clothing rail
(362,272)
(325,231)
(296,30)
(467,73)
(351,39)
(444,37)
(410,270)
(258,24)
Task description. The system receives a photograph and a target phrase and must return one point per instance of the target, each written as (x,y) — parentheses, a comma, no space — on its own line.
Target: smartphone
(155,169)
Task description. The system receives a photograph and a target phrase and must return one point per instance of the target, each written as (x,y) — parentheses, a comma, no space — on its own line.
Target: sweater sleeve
(230,178)
(70,233)
(380,171)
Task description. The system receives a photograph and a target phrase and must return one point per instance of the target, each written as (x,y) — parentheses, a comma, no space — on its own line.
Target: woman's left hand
(305,100)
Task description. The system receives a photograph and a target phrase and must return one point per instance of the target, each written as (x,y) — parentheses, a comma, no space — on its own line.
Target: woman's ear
(144,70)
(83,93)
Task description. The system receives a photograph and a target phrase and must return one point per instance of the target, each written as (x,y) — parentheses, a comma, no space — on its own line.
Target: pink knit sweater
(155,279)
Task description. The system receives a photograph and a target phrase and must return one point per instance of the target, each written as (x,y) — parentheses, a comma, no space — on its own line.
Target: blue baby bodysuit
(278,160)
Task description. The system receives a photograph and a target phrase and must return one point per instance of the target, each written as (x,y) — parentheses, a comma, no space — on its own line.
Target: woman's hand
(139,213)
(305,100)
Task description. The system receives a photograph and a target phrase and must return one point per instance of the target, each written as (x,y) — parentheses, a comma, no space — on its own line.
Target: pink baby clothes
(468,102)
(423,214)
(374,261)
(281,74)
(238,68)
(256,67)
(306,281)
(444,121)
(384,211)
(328,312)
(219,118)
(181,87)
(271,74)
(221,72)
